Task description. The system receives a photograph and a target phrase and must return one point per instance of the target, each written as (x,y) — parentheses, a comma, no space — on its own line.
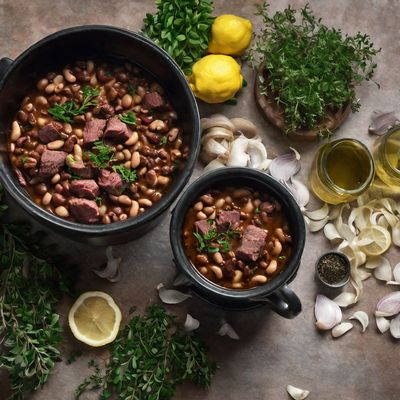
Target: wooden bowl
(274,113)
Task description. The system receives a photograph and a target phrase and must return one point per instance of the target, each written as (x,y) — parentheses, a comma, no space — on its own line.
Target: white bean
(220,203)
(198,206)
(78,152)
(55,145)
(200,215)
(277,249)
(145,202)
(55,179)
(134,210)
(61,211)
(280,234)
(248,207)
(126,101)
(273,265)
(218,258)
(133,139)
(259,279)
(238,276)
(15,131)
(127,154)
(42,121)
(163,180)
(58,79)
(125,200)
(236,285)
(49,89)
(69,76)
(217,271)
(46,199)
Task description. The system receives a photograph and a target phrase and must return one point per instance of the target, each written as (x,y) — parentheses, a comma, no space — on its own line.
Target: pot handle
(5,64)
(284,302)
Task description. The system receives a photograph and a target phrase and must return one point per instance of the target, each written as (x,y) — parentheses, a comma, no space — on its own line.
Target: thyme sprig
(30,332)
(70,109)
(150,357)
(310,68)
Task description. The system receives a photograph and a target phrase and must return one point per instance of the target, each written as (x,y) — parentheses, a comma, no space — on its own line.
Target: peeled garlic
(331,233)
(191,323)
(238,156)
(227,330)
(297,393)
(318,214)
(382,324)
(341,329)
(361,317)
(171,296)
(395,327)
(327,313)
(345,299)
(383,272)
(111,272)
(316,226)
(396,234)
(396,272)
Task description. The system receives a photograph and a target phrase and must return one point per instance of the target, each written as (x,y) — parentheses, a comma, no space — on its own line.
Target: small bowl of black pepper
(333,269)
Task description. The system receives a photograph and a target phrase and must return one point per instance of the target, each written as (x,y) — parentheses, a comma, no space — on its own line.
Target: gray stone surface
(272,351)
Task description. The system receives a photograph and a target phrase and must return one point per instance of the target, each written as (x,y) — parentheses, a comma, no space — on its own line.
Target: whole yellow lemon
(230,35)
(215,78)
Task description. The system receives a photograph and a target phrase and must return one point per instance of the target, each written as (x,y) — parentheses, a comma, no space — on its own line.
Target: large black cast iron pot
(276,292)
(18,77)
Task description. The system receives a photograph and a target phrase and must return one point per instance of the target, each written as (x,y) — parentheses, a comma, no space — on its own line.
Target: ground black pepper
(332,268)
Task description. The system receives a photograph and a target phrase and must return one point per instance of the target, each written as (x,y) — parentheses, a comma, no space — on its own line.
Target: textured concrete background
(272,351)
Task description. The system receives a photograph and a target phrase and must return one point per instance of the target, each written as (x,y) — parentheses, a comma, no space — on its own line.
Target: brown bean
(126,101)
(151,178)
(41,101)
(217,271)
(78,152)
(207,199)
(40,188)
(203,270)
(163,180)
(120,156)
(198,206)
(78,133)
(106,220)
(22,116)
(42,121)
(137,100)
(58,79)
(68,75)
(272,266)
(134,210)
(172,134)
(240,193)
(58,199)
(28,107)
(42,84)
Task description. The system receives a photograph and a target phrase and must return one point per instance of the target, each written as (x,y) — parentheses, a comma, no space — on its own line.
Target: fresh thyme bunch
(30,332)
(310,68)
(149,358)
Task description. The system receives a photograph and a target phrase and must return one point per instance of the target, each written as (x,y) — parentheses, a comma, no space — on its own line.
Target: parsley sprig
(127,174)
(149,358)
(181,27)
(310,68)
(30,288)
(102,154)
(129,118)
(212,236)
(70,109)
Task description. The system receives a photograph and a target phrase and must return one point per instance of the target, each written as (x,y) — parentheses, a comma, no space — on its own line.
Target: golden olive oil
(386,152)
(342,170)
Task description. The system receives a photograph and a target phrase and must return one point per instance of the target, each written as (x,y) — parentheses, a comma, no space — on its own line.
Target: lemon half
(95,318)
(378,240)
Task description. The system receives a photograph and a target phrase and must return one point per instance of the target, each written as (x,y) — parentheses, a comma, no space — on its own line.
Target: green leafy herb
(30,288)
(212,236)
(282,258)
(149,358)
(67,111)
(109,74)
(131,89)
(103,154)
(182,28)
(98,200)
(257,210)
(310,68)
(163,141)
(129,118)
(127,174)
(73,356)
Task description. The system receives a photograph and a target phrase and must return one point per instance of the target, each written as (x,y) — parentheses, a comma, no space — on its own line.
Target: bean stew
(97,142)
(237,237)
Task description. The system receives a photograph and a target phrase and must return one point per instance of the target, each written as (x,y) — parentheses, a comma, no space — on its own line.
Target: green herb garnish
(222,238)
(129,118)
(73,356)
(182,28)
(149,358)
(131,89)
(163,141)
(282,258)
(30,288)
(127,174)
(98,200)
(310,68)
(103,155)
(257,211)
(67,111)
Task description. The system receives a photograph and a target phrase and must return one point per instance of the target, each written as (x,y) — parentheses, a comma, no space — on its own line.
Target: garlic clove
(395,327)
(238,156)
(382,324)
(316,226)
(171,296)
(388,305)
(331,233)
(299,191)
(341,329)
(257,153)
(327,313)
(297,393)
(383,272)
(396,272)
(363,273)
(396,234)
(345,299)
(191,323)
(111,272)
(375,262)
(361,317)
(284,166)
(382,122)
(244,126)
(319,214)
(216,120)
(227,330)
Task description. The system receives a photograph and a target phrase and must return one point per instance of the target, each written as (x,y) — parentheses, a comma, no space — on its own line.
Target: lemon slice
(94,318)
(374,240)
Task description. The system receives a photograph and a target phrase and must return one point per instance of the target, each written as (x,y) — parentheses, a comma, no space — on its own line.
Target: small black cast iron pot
(275,292)
(52,53)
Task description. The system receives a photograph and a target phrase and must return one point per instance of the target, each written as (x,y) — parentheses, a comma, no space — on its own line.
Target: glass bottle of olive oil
(386,153)
(341,171)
